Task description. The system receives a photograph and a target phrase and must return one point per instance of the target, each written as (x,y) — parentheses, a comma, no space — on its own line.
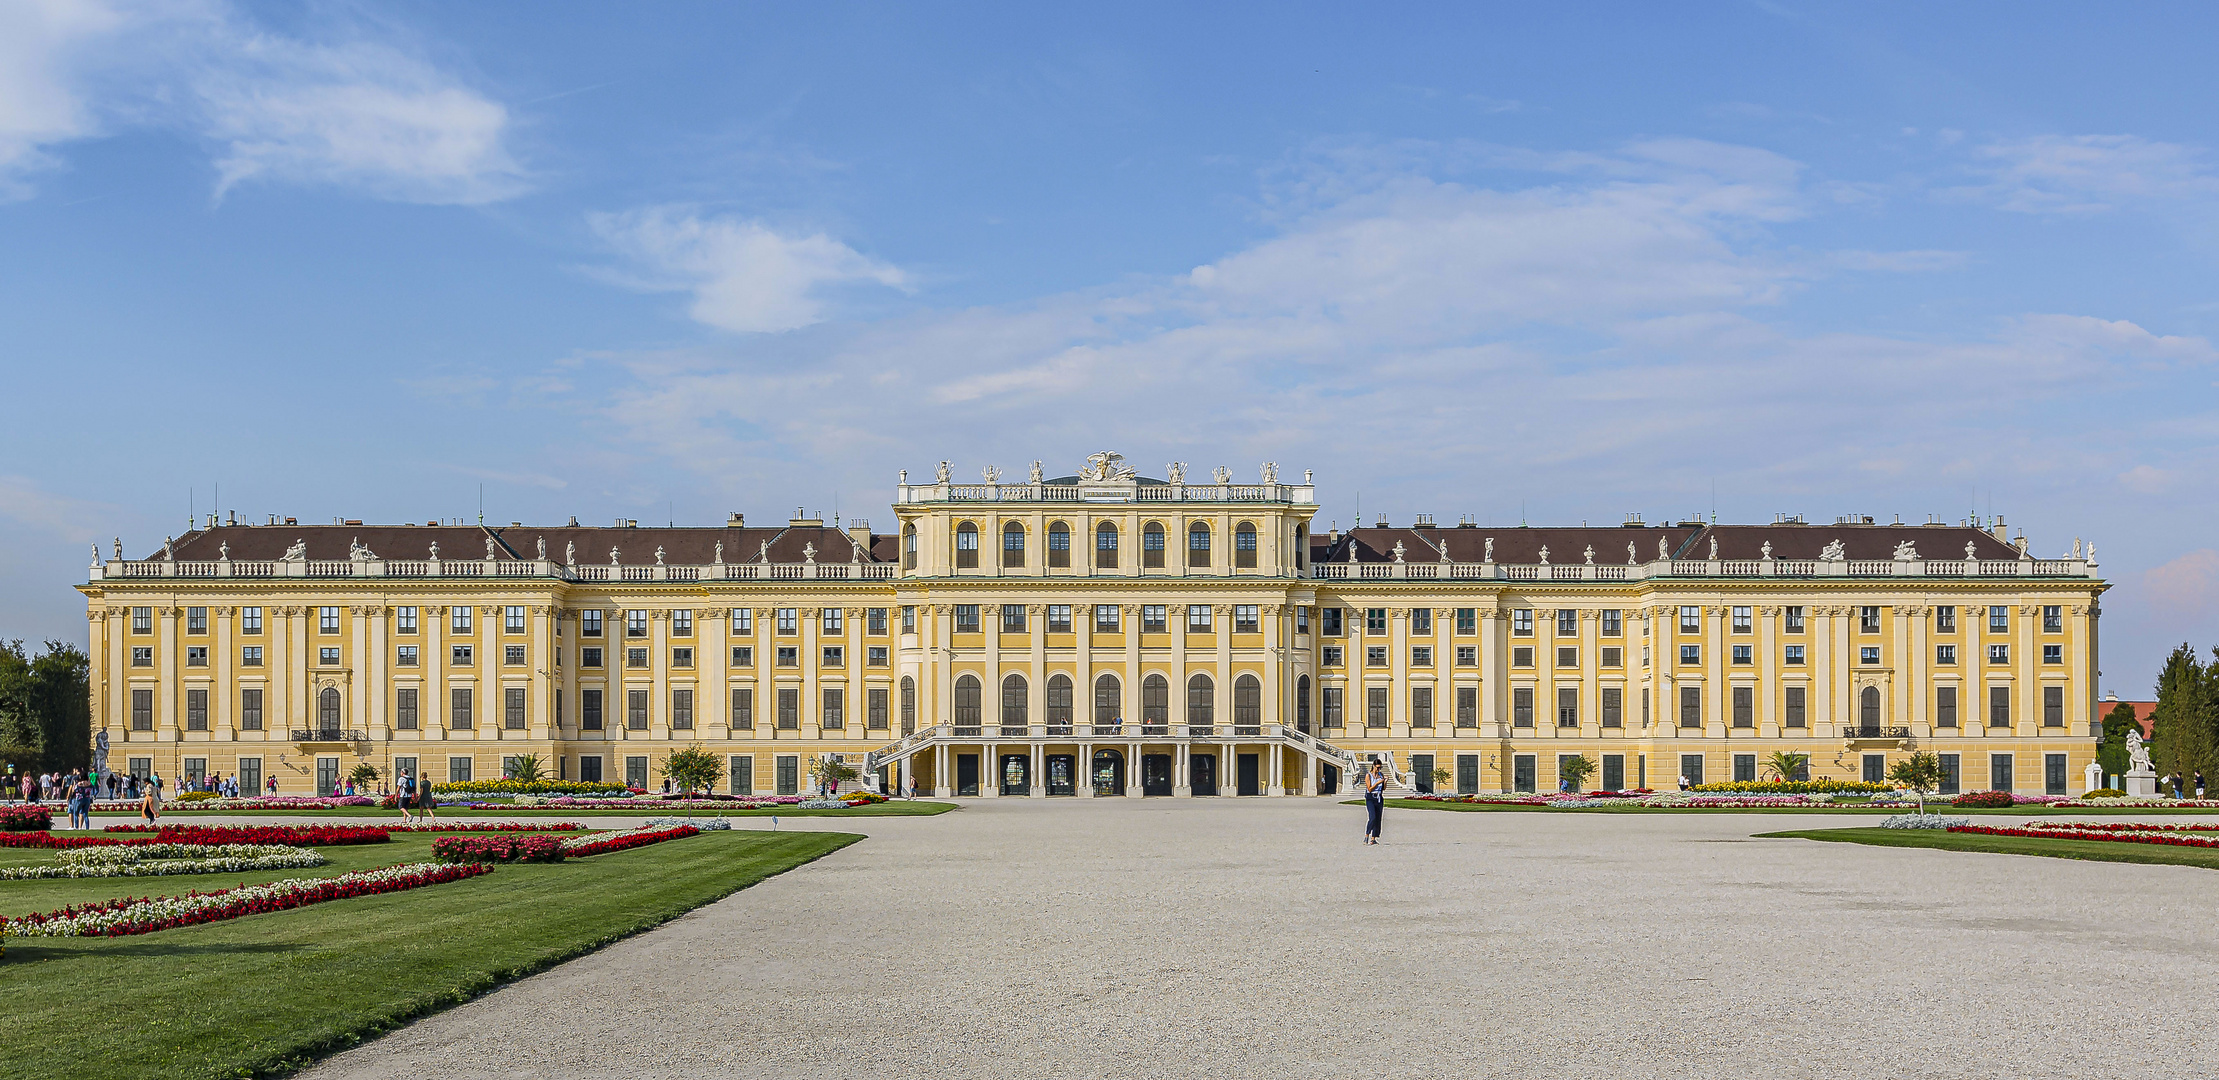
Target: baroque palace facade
(1099,634)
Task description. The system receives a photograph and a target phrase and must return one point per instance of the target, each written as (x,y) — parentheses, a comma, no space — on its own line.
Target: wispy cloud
(42,42)
(2066,174)
(744,275)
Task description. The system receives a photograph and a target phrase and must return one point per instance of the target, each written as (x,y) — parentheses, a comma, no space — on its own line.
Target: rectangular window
(635,771)
(635,709)
(1945,706)
(1521,656)
(2053,706)
(635,622)
(404,620)
(589,710)
(681,622)
(789,708)
(879,656)
(512,619)
(1745,768)
(1745,654)
(1644,706)
(834,656)
(196,620)
(966,618)
(1302,620)
(405,656)
(590,656)
(742,770)
(2053,619)
(1614,707)
(1521,707)
(196,710)
(142,710)
(512,708)
(635,658)
(558,709)
(1999,620)
(743,708)
(1868,619)
(1745,708)
(1691,769)
(1691,707)
(1059,618)
(1945,655)
(1330,706)
(142,620)
(1691,654)
(327,657)
(142,656)
(1467,707)
(1330,656)
(250,620)
(743,656)
(1691,620)
(1567,707)
(404,708)
(1742,621)
(2053,774)
(1013,618)
(458,619)
(1421,620)
(1154,619)
(788,778)
(828,620)
(1999,654)
(1792,656)
(460,656)
(1198,546)
(1421,707)
(196,656)
(743,622)
(1613,622)
(589,625)
(1247,619)
(1567,658)
(327,620)
(458,708)
(1999,706)
(875,708)
(1329,621)
(458,770)
(1375,707)
(1796,717)
(681,710)
(1999,772)
(1521,622)
(1467,620)
(1421,656)
(589,769)
(1793,617)
(681,658)
(789,656)
(1467,656)
(1059,546)
(1105,618)
(1945,619)
(1375,620)
(513,655)
(2053,654)
(250,709)
(1567,622)
(1868,654)
(1375,656)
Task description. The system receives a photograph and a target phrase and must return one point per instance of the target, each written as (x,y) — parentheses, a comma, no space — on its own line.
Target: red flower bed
(1984,799)
(144,915)
(49,840)
(2122,826)
(581,847)
(497,849)
(490,826)
(294,835)
(25,819)
(2092,834)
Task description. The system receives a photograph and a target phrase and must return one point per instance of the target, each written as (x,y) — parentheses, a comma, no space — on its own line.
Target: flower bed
(2169,839)
(159,859)
(1793,787)
(296,835)
(657,804)
(117,918)
(2121,826)
(489,826)
(259,802)
(530,787)
(579,847)
(1984,799)
(31,818)
(498,849)
(703,825)
(1922,821)
(2137,802)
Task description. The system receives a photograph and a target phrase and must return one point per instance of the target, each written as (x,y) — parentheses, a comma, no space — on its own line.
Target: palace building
(1100,634)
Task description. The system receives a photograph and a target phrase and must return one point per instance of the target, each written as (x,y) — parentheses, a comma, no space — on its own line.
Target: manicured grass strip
(2093,850)
(268,993)
(647,809)
(1932,807)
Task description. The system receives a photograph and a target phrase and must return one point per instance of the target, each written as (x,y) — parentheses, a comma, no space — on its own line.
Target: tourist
(1375,801)
(426,801)
(1683,782)
(150,805)
(80,804)
(406,796)
(2199,783)
(273,787)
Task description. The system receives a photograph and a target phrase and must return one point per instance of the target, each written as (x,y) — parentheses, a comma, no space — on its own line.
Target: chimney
(859,531)
(1997,527)
(736,521)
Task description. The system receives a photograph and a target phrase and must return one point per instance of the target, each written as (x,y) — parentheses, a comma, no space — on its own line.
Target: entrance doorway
(1202,773)
(1250,770)
(1062,775)
(1016,774)
(1155,774)
(1329,779)
(327,776)
(1109,772)
(966,774)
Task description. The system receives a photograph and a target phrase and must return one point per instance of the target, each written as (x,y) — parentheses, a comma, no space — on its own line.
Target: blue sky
(674,260)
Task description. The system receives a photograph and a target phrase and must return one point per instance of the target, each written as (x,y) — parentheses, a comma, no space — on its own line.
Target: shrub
(497,849)
(195,796)
(2105,793)
(25,819)
(1984,799)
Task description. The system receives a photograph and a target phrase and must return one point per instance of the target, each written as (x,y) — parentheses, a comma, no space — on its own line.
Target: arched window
(1244,546)
(1059,544)
(1869,706)
(327,709)
(1198,544)
(1302,704)
(1201,700)
(1248,701)
(1155,700)
(1108,708)
(1013,544)
(1301,548)
(1105,545)
(908,705)
(909,547)
(1014,705)
(967,702)
(1059,701)
(966,545)
(1151,544)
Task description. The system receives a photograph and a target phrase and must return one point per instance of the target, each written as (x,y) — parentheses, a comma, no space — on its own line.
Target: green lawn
(267,993)
(2097,850)
(448,813)
(1943,807)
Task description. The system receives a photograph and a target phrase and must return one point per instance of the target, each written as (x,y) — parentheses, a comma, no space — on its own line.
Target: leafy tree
(2111,753)
(1788,764)
(691,769)
(45,707)
(2185,727)
(1442,777)
(1921,772)
(525,767)
(1576,769)
(830,772)
(363,775)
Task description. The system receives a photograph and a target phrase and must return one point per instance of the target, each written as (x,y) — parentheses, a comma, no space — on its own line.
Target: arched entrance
(1109,772)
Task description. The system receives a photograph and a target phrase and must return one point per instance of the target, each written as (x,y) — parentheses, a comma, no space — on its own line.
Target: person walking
(2199,783)
(426,801)
(1375,801)
(407,795)
(150,805)
(80,804)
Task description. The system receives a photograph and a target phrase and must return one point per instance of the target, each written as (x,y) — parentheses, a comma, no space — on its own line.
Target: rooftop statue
(435,551)
(543,549)
(1663,552)
(1222,475)
(1590,554)
(658,554)
(941,474)
(1906,550)
(1107,465)
(1630,557)
(1969,549)
(1034,476)
(1766,551)
(1832,552)
(1176,472)
(992,474)
(1489,556)
(570,553)
(1544,554)
(720,552)
(297,553)
(1271,472)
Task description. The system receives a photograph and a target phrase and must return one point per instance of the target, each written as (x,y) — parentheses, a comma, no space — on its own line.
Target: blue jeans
(1375,804)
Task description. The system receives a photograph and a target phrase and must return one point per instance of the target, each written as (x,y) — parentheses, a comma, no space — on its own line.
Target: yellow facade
(1099,634)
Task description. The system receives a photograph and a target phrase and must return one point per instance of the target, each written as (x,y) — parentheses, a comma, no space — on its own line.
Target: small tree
(692,769)
(1576,769)
(830,772)
(1921,772)
(523,767)
(1442,776)
(1788,764)
(362,775)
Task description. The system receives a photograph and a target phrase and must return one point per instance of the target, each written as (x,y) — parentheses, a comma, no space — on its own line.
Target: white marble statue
(1544,554)
(168,546)
(1034,476)
(1177,471)
(720,553)
(223,551)
(1590,554)
(1832,552)
(435,551)
(119,549)
(543,549)
(992,474)
(1107,465)
(298,552)
(808,553)
(96,555)
(1906,550)
(1714,549)
(1969,549)
(1398,551)
(1765,552)
(1664,551)
(2138,754)
(658,554)
(1631,557)
(941,474)
(612,557)
(359,551)
(570,553)
(762,551)
(1271,472)
(489,549)
(1222,475)
(1489,555)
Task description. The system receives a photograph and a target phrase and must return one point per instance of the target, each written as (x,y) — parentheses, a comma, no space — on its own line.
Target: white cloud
(25,503)
(744,275)
(2188,585)
(349,109)
(2146,480)
(2053,174)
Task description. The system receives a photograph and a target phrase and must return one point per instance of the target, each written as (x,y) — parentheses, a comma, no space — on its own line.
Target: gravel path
(1019,939)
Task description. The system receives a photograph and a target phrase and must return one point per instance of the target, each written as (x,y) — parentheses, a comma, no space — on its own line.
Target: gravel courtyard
(1020,939)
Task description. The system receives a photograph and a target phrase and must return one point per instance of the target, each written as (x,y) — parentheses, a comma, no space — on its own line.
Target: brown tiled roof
(1523,544)
(1858,541)
(683,545)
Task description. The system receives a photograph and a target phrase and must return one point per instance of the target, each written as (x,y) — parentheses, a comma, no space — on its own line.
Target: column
(358,647)
(1039,786)
(1086,770)
(1492,664)
(1717,705)
(431,705)
(224,666)
(2026,706)
(1972,705)
(166,668)
(812,703)
(542,697)
(1398,674)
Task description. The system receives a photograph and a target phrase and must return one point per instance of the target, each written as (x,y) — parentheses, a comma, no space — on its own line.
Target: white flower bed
(1922,821)
(176,910)
(703,824)
(158,860)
